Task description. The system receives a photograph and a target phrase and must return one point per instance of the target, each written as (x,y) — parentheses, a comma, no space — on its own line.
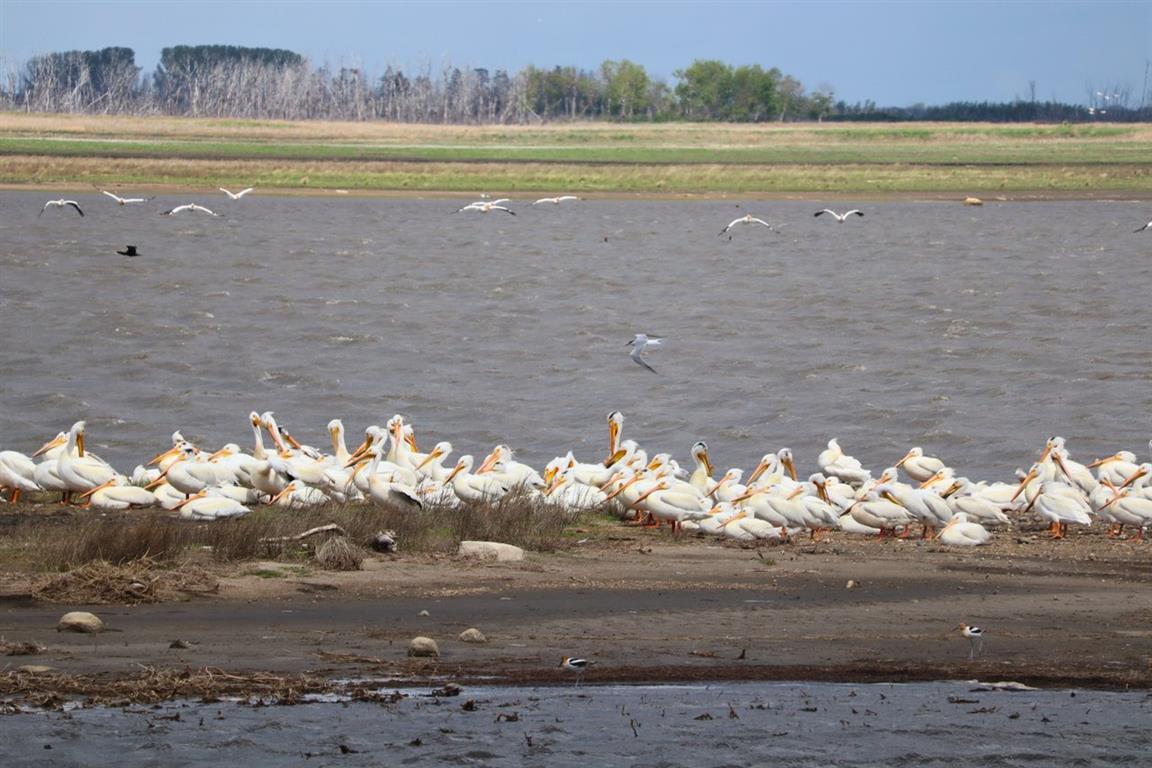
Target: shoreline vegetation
(931,160)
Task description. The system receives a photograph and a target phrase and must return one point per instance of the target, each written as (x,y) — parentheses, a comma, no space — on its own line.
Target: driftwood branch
(331,527)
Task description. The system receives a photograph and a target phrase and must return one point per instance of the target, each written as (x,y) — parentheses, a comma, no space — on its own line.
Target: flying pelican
(749,219)
(555,200)
(236,195)
(60,204)
(125,200)
(189,207)
(840,217)
(487,206)
(640,344)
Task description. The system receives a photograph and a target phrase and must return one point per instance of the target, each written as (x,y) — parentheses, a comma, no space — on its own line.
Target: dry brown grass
(138,581)
(55,544)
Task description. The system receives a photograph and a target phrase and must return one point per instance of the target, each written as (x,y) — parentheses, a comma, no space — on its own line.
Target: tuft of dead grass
(137,581)
(339,554)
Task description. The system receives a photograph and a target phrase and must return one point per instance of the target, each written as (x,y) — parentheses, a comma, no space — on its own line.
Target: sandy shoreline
(1075,613)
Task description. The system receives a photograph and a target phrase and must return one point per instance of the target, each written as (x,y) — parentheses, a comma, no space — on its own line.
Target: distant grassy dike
(945,158)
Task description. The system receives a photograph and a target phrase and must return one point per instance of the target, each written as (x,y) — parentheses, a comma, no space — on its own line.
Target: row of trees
(231,81)
(271,83)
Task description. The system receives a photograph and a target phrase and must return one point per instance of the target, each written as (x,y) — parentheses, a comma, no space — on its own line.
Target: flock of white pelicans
(772,503)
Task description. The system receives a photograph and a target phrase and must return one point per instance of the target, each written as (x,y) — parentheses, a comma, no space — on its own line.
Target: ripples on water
(974,332)
(814,725)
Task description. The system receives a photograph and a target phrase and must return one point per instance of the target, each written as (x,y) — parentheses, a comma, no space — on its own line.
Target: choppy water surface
(790,725)
(974,332)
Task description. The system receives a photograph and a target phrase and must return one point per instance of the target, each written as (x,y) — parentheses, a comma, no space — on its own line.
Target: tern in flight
(235,195)
(125,200)
(487,206)
(641,344)
(555,200)
(749,219)
(840,217)
(189,207)
(1146,226)
(60,204)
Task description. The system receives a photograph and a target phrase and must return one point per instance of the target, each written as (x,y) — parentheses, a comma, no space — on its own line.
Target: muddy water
(752,724)
(973,332)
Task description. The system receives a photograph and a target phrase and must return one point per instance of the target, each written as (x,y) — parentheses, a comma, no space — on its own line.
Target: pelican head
(785,456)
(913,453)
(700,453)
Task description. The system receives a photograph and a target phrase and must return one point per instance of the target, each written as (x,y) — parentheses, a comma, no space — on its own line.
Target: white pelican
(1128,509)
(500,465)
(931,510)
(1059,504)
(749,219)
(569,494)
(79,472)
(382,488)
(963,497)
(117,494)
(486,206)
(299,495)
(615,426)
(261,474)
(236,195)
(833,462)
(961,533)
(474,488)
(640,344)
(60,204)
(188,207)
(17,473)
(193,473)
(431,465)
(125,200)
(874,512)
(665,504)
(701,476)
(203,506)
(919,467)
(840,217)
(1116,468)
(555,200)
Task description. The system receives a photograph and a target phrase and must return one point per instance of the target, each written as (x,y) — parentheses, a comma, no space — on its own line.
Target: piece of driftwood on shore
(331,527)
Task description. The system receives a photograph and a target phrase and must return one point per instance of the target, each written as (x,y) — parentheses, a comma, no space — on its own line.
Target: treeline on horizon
(272,83)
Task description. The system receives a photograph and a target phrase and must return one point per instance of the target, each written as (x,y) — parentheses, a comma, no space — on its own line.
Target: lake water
(820,724)
(974,332)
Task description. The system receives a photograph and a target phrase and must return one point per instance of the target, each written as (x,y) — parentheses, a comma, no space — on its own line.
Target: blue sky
(895,53)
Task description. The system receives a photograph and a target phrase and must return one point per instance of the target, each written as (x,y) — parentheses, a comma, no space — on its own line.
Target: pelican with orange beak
(81,473)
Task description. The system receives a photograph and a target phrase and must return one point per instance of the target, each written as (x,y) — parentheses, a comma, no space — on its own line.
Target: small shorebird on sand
(975,637)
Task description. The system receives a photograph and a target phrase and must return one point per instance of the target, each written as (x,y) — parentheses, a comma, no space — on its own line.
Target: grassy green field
(610,158)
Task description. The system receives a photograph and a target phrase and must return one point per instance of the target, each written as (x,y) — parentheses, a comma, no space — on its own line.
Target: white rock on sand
(423,646)
(472,635)
(80,621)
(491,550)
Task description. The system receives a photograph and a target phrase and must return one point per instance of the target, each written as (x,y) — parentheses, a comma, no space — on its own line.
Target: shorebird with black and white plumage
(188,207)
(487,206)
(125,200)
(60,204)
(236,195)
(640,344)
(975,637)
(840,217)
(749,219)
(579,666)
